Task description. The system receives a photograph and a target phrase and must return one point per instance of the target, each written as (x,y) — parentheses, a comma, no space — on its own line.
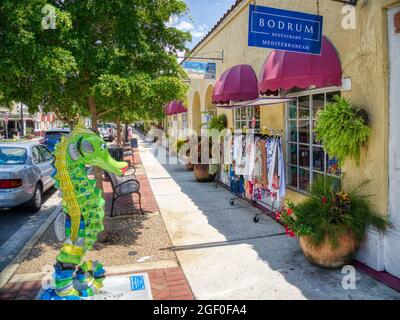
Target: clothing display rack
(257,170)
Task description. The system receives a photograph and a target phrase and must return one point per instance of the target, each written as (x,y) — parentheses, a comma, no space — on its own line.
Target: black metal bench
(123,186)
(119,154)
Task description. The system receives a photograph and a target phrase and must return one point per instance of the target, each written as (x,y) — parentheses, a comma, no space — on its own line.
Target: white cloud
(200,31)
(184,26)
(203,27)
(198,34)
(180,55)
(172,21)
(196,31)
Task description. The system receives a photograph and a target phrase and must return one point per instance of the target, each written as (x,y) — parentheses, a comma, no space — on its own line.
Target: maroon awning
(176,107)
(287,70)
(238,83)
(166,110)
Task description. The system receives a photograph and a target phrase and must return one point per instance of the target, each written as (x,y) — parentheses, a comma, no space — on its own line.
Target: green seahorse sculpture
(83,206)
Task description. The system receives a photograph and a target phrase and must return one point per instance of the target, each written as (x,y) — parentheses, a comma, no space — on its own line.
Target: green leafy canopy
(102,56)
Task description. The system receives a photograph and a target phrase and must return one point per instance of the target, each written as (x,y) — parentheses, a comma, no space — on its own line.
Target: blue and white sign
(285,30)
(200,70)
(137,283)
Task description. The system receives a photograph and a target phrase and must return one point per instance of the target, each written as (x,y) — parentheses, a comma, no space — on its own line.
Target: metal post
(126,133)
(22,120)
(6,125)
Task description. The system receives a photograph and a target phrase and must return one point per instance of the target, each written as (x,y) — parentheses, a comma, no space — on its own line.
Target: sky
(203,15)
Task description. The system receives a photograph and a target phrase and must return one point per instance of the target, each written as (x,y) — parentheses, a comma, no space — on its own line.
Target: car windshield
(12,156)
(55,135)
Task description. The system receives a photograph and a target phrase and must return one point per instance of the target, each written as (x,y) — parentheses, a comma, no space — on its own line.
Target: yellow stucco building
(369,56)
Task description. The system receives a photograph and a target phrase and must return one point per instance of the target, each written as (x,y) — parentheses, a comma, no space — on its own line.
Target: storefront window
(247,117)
(306,158)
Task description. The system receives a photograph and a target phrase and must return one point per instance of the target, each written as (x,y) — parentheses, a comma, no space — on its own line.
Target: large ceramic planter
(201,173)
(331,257)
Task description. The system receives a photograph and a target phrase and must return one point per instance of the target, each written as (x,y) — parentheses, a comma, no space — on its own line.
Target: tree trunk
(71,124)
(105,235)
(94,116)
(93,113)
(119,131)
(126,134)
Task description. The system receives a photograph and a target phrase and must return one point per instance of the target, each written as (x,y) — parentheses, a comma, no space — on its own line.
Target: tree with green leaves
(91,47)
(102,58)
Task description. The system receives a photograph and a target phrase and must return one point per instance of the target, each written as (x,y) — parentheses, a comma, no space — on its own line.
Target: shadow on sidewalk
(277,252)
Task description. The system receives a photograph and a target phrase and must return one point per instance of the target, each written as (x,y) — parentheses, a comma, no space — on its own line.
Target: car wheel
(36,202)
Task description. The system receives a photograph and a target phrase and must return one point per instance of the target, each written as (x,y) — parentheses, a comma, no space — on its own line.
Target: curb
(10,269)
(110,270)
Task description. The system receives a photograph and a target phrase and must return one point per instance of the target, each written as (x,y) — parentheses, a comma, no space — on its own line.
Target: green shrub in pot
(331,223)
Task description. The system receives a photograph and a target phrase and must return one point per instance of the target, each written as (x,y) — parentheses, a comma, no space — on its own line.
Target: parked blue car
(26,171)
(52,137)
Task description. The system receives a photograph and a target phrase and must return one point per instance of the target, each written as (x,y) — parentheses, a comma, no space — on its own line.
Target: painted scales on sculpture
(83,206)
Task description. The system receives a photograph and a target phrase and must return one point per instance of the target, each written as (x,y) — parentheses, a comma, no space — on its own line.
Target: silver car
(108,131)
(26,170)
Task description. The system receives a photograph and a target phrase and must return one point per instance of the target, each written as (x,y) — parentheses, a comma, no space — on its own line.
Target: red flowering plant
(289,218)
(330,212)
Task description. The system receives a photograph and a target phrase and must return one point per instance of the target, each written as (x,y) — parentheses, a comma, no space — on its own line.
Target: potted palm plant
(179,145)
(201,169)
(331,223)
(205,172)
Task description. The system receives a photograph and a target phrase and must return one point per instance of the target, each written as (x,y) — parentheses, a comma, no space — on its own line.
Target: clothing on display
(258,160)
(239,155)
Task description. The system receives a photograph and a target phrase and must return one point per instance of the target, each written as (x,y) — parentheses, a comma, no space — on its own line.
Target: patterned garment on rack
(228,151)
(282,171)
(259,193)
(257,177)
(250,152)
(236,183)
(262,147)
(269,148)
(239,155)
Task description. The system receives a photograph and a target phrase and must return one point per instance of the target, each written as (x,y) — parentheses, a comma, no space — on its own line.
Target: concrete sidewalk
(225,255)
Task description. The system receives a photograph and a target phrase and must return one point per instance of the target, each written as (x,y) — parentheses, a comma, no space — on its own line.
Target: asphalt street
(17,226)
